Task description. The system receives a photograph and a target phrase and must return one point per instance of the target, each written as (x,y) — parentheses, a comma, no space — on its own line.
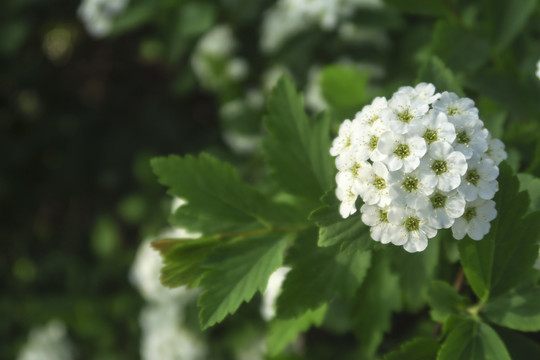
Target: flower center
(373,142)
(439,167)
(405,116)
(402,151)
(430,136)
(383,216)
(472,177)
(470,213)
(438,201)
(452,110)
(373,119)
(355,169)
(412,224)
(410,183)
(379,183)
(463,138)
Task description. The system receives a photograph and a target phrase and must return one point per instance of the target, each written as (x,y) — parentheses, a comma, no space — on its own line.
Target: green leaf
(508,19)
(416,349)
(416,271)
(422,7)
(236,272)
(195,18)
(378,297)
(183,260)
(297,147)
(518,345)
(458,48)
(518,309)
(318,275)
(531,184)
(284,331)
(473,340)
(498,261)
(217,198)
(435,71)
(350,234)
(343,86)
(444,301)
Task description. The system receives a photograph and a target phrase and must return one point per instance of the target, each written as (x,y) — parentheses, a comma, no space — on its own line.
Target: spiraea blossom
(420,161)
(98,15)
(48,342)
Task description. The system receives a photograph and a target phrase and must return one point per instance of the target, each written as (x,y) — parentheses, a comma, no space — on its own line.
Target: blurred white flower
(273,288)
(538,69)
(213,59)
(48,342)
(288,17)
(98,15)
(163,337)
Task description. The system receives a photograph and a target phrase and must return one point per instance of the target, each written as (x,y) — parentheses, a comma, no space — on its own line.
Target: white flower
(373,184)
(538,69)
(401,151)
(48,342)
(475,221)
(368,140)
(453,105)
(412,230)
(98,15)
(370,114)
(402,111)
(423,91)
(273,288)
(345,140)
(479,180)
(443,168)
(471,136)
(434,127)
(145,274)
(421,162)
(163,336)
(377,218)
(409,189)
(348,201)
(213,60)
(441,208)
(495,150)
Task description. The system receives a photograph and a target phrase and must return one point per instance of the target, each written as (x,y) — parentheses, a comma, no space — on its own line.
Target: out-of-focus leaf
(374,304)
(416,349)
(473,340)
(518,309)
(435,71)
(459,49)
(319,275)
(494,264)
(284,331)
(444,301)
(508,19)
(416,271)
(343,86)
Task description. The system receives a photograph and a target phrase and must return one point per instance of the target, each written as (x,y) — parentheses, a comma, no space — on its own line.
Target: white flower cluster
(49,342)
(538,69)
(213,61)
(289,17)
(163,333)
(98,15)
(421,161)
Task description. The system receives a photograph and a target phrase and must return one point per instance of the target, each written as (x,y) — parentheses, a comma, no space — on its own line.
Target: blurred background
(91,90)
